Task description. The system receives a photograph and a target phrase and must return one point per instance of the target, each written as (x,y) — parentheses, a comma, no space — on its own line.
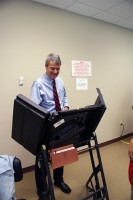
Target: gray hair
(52,57)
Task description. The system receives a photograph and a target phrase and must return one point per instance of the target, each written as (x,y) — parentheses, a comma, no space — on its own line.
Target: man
(130,169)
(130,150)
(42,94)
(7,186)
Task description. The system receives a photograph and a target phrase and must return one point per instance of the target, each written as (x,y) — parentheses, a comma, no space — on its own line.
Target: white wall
(29,31)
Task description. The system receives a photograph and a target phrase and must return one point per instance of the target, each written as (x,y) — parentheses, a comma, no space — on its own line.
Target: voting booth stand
(61,134)
(96,183)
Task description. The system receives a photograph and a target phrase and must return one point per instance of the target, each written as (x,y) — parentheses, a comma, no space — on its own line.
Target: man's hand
(66,108)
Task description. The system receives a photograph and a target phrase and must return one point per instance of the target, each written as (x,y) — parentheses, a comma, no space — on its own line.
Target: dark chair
(18,175)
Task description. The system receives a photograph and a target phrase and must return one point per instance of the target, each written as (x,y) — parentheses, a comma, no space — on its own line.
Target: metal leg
(98,190)
(46,174)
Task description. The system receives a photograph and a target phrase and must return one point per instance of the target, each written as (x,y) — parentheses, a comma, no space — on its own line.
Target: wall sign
(81,68)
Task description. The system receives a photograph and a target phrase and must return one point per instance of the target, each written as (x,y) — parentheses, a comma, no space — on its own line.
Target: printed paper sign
(81,83)
(81,68)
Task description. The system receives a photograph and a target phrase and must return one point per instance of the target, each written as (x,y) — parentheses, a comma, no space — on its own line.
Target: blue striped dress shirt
(42,92)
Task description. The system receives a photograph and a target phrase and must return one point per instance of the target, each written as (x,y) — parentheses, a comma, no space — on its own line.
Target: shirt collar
(50,81)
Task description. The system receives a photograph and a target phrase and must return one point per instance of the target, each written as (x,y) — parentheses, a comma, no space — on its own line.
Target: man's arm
(35,93)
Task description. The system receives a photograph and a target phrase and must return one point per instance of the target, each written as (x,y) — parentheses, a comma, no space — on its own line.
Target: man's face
(52,70)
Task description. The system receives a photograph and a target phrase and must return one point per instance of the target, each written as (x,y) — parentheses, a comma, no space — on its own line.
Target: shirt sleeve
(65,100)
(35,93)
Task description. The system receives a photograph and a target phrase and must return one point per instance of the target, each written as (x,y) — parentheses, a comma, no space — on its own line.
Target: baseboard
(31,168)
(116,139)
(28,169)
